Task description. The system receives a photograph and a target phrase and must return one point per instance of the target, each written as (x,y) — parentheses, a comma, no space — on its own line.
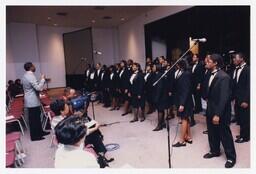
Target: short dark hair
(241,55)
(216,58)
(70,130)
(28,65)
(57,106)
(182,64)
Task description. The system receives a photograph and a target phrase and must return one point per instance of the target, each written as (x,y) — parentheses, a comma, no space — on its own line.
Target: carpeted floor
(140,147)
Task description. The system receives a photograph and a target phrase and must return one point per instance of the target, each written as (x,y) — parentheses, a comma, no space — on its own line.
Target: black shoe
(37,139)
(112,109)
(211,155)
(205,132)
(230,163)
(45,133)
(190,141)
(241,140)
(143,119)
(134,120)
(193,123)
(117,108)
(238,136)
(124,114)
(179,144)
(158,128)
(110,160)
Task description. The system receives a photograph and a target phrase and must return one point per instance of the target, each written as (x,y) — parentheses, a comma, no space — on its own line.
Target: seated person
(71,132)
(18,87)
(94,136)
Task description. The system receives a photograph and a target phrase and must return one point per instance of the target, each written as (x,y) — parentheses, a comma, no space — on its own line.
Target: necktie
(236,71)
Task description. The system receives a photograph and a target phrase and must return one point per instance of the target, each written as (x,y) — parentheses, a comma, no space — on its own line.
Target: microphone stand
(154,84)
(167,120)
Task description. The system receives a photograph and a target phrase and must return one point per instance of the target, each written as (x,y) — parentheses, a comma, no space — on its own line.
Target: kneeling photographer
(78,106)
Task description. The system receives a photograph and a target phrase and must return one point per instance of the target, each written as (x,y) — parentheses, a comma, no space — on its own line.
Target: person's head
(165,63)
(17,81)
(98,66)
(123,64)
(148,68)
(148,59)
(135,67)
(215,61)
(156,67)
(195,58)
(10,82)
(70,131)
(69,92)
(238,59)
(130,62)
(182,65)
(161,59)
(29,66)
(59,107)
(112,69)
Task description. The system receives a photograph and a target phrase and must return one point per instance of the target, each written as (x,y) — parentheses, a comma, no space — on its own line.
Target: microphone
(200,40)
(97,52)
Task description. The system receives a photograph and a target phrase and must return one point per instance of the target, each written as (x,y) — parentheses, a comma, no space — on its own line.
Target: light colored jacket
(31,89)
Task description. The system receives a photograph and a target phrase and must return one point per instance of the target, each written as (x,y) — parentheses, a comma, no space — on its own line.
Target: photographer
(71,132)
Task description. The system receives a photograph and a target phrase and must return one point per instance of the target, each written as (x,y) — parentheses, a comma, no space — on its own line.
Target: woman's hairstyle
(182,64)
(27,66)
(70,130)
(57,106)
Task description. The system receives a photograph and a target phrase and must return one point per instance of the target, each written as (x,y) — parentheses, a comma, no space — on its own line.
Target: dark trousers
(106,98)
(221,133)
(35,125)
(96,139)
(237,117)
(244,120)
(198,103)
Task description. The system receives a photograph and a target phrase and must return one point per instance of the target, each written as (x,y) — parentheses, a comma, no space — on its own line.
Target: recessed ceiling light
(49,18)
(93,21)
(122,19)
(55,25)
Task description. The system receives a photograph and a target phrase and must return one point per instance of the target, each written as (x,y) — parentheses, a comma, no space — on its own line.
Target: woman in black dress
(137,93)
(160,98)
(183,101)
(113,87)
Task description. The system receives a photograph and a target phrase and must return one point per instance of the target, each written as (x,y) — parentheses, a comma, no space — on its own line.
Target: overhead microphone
(200,40)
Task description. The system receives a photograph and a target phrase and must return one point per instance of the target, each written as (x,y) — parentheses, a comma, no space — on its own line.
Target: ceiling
(74,16)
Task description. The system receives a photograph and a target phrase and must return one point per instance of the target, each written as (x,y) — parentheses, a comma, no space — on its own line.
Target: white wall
(159,48)
(42,45)
(106,41)
(131,33)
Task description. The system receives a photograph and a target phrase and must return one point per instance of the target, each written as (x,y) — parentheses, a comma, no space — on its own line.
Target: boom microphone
(200,40)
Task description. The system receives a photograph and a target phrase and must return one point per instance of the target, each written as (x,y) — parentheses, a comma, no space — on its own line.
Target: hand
(181,108)
(97,125)
(216,120)
(125,91)
(129,94)
(170,94)
(139,97)
(42,76)
(244,105)
(198,87)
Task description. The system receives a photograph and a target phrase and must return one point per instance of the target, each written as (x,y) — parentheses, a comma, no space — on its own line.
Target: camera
(80,102)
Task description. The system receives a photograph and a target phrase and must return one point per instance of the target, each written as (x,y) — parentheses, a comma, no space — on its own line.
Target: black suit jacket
(137,88)
(125,79)
(204,84)
(241,89)
(182,90)
(219,97)
(197,76)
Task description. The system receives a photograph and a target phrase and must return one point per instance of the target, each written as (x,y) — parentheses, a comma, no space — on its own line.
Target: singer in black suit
(241,95)
(184,102)
(105,83)
(113,86)
(219,112)
(125,85)
(148,77)
(137,93)
(197,72)
(160,98)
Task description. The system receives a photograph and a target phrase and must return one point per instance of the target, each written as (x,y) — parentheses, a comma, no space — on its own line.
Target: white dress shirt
(214,72)
(239,69)
(92,75)
(98,72)
(194,67)
(146,77)
(178,73)
(87,73)
(102,75)
(133,76)
(68,156)
(121,73)
(111,76)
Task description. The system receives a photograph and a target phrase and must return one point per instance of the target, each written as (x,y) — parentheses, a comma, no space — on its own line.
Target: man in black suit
(197,72)
(219,112)
(241,95)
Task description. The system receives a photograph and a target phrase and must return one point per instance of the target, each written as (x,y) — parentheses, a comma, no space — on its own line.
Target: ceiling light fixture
(93,21)
(55,24)
(122,19)
(49,18)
